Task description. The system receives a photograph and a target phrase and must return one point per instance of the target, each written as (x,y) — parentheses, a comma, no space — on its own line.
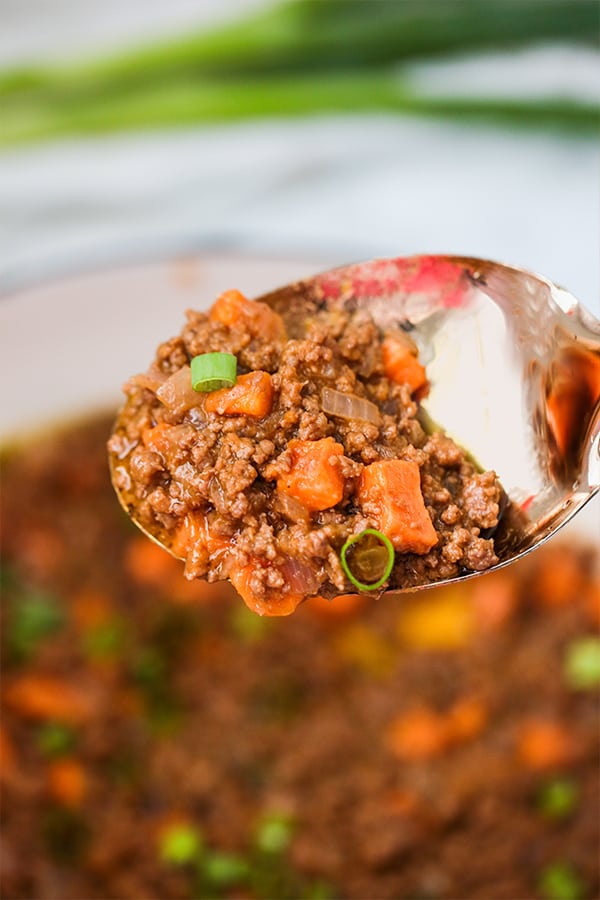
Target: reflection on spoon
(513,365)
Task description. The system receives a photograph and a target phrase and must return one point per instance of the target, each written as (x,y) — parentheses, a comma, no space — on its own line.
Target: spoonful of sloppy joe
(380,427)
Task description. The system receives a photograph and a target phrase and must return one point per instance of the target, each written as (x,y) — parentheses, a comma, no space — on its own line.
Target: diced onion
(151,380)
(177,392)
(349,406)
(299,577)
(292,509)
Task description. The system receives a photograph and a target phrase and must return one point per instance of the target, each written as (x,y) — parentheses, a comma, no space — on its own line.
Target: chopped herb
(558,798)
(560,882)
(32,619)
(367,559)
(582,663)
(274,833)
(211,371)
(56,739)
(224,869)
(180,844)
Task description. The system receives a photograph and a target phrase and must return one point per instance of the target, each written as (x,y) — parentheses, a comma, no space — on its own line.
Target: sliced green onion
(180,845)
(274,833)
(56,739)
(371,559)
(211,371)
(582,663)
(32,619)
(225,869)
(560,881)
(558,798)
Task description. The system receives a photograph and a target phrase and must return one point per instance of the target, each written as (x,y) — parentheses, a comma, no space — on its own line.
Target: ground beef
(188,472)
(481,500)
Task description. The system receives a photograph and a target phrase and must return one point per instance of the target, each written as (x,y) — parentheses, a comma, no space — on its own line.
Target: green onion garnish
(180,844)
(211,371)
(582,663)
(560,881)
(274,833)
(367,559)
(558,798)
(56,739)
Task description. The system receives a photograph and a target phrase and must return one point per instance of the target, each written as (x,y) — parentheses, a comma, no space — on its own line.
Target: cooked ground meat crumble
(319,439)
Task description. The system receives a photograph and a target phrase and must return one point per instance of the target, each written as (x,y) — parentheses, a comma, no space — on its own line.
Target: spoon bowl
(514,366)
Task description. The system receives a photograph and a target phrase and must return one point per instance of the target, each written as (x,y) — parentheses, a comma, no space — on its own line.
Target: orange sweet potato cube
(390,491)
(402,366)
(314,479)
(251,395)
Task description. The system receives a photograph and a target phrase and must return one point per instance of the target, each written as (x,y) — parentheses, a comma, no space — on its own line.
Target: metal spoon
(514,366)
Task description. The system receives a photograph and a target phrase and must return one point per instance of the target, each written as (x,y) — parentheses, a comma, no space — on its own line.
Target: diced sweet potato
(561,579)
(423,733)
(232,309)
(67,782)
(495,600)
(390,491)
(43,697)
(160,438)
(314,478)
(148,564)
(419,734)
(251,395)
(545,744)
(192,529)
(466,719)
(151,565)
(277,604)
(401,365)
(195,534)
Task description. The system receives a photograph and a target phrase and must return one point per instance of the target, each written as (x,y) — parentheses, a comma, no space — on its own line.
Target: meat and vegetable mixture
(298,467)
(160,741)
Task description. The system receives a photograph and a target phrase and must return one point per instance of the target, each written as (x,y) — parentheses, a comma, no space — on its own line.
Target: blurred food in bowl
(160,740)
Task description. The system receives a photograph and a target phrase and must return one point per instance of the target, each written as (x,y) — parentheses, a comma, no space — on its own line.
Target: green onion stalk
(296,58)
(212,371)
